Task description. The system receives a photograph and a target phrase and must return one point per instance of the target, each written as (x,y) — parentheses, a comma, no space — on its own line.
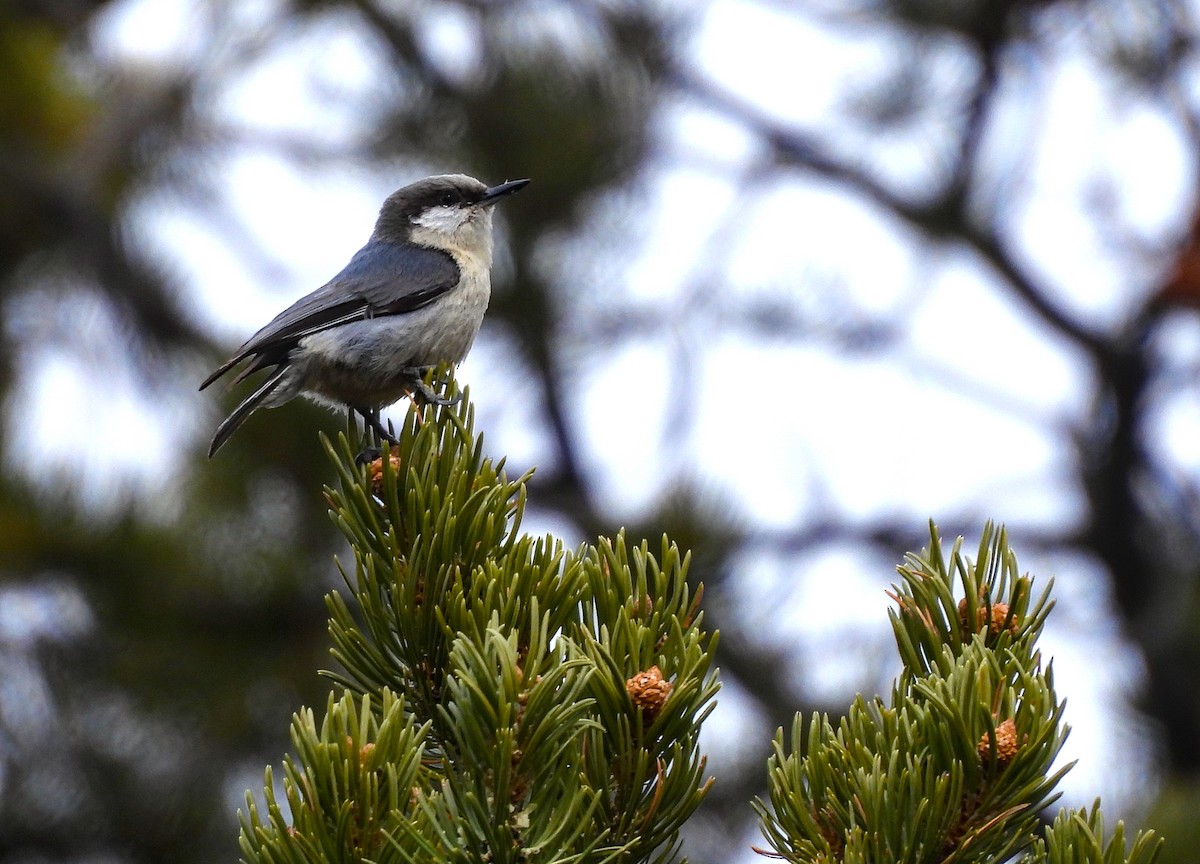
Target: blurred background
(793,277)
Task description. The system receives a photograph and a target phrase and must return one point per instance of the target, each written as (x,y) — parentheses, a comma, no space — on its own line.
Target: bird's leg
(371,421)
(366,456)
(370,452)
(417,374)
(385,434)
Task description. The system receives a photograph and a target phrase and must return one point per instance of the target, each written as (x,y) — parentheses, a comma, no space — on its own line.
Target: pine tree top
(504,698)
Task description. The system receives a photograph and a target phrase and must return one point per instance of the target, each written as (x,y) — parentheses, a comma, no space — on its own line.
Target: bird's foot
(425,392)
(366,456)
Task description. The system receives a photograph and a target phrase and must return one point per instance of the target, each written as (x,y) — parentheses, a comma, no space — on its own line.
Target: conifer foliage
(957,767)
(503,698)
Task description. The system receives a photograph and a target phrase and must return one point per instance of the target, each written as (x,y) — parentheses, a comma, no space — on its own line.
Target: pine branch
(957,766)
(551,699)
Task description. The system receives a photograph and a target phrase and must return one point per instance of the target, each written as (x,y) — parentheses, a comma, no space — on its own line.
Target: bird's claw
(367,456)
(428,397)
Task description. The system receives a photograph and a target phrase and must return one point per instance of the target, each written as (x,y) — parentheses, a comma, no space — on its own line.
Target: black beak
(495,193)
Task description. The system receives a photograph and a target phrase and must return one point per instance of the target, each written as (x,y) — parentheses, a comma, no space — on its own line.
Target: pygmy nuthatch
(413,297)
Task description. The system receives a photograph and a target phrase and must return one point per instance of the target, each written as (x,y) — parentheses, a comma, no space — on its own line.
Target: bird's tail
(255,400)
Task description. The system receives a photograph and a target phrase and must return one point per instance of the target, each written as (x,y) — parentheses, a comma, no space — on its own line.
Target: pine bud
(999,619)
(375,472)
(641,609)
(649,691)
(1006,744)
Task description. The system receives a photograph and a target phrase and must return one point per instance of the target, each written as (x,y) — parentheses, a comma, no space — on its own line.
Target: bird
(413,297)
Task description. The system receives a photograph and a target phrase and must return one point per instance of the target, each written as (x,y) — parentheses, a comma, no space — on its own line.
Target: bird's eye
(448,199)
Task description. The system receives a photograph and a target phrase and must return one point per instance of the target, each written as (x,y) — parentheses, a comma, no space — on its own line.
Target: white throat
(464,231)
(444,219)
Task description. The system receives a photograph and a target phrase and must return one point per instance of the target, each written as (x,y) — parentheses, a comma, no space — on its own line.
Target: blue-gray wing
(381,279)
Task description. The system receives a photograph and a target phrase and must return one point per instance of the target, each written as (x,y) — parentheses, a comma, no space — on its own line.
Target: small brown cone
(649,691)
(998,621)
(1007,744)
(375,472)
(642,609)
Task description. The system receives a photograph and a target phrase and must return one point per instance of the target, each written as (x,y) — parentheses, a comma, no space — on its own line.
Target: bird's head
(447,211)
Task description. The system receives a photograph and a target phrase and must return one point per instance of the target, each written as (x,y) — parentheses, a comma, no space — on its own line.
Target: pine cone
(642,609)
(649,691)
(997,623)
(375,472)
(1007,744)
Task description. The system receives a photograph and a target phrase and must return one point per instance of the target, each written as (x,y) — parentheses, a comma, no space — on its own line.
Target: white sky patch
(687,209)
(1174,421)
(870,438)
(451,38)
(217,284)
(701,139)
(803,227)
(778,61)
(622,430)
(1154,175)
(122,31)
(1178,429)
(967,325)
(1098,674)
(317,83)
(87,430)
(1092,157)
(767,467)
(306,221)
(724,734)
(840,632)
(50,609)
(507,402)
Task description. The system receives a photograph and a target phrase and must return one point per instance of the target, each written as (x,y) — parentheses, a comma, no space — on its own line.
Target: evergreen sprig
(1077,837)
(348,785)
(539,703)
(957,767)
